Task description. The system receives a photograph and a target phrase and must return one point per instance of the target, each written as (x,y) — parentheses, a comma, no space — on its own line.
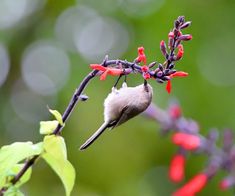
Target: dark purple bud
(181,19)
(160,66)
(159,74)
(186,37)
(185,25)
(83,97)
(166,71)
(152,64)
(177,24)
(171,66)
(157,70)
(171,72)
(166,78)
(159,80)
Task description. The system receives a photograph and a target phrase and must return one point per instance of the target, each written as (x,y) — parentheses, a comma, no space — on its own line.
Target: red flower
(106,71)
(195,185)
(141,56)
(187,141)
(180,52)
(146,76)
(176,74)
(144,68)
(168,86)
(179,74)
(176,171)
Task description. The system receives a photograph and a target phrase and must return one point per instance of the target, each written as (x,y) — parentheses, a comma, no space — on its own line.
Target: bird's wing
(127,113)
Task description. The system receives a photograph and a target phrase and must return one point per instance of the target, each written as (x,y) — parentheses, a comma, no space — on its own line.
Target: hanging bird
(122,105)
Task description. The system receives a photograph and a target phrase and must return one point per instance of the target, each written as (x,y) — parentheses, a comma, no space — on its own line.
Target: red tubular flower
(98,67)
(179,74)
(180,52)
(176,74)
(187,141)
(141,56)
(106,70)
(195,185)
(168,86)
(176,170)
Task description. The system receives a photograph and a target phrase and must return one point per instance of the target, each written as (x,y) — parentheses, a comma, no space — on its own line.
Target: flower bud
(163,48)
(176,170)
(185,25)
(186,141)
(186,37)
(195,185)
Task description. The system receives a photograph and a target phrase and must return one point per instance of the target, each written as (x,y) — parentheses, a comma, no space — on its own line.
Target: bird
(121,105)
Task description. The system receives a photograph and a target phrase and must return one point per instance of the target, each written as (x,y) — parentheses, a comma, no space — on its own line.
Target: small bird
(122,105)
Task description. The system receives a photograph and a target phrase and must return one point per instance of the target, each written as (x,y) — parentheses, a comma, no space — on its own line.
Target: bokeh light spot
(214,61)
(13,11)
(102,36)
(70,22)
(29,106)
(45,67)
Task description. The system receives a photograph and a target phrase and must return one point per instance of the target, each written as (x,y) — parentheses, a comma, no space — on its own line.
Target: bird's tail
(94,136)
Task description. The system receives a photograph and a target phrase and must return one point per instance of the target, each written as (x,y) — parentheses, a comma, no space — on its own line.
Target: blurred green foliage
(132,159)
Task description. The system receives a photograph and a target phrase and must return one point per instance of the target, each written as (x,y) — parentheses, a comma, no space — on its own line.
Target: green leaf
(56,156)
(55,145)
(57,116)
(12,154)
(13,191)
(15,170)
(47,127)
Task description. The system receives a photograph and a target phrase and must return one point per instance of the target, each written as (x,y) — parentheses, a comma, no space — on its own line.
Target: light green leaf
(55,145)
(12,154)
(47,127)
(15,170)
(56,156)
(57,116)
(13,191)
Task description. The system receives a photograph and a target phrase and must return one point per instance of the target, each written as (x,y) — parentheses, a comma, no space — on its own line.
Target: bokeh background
(45,49)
